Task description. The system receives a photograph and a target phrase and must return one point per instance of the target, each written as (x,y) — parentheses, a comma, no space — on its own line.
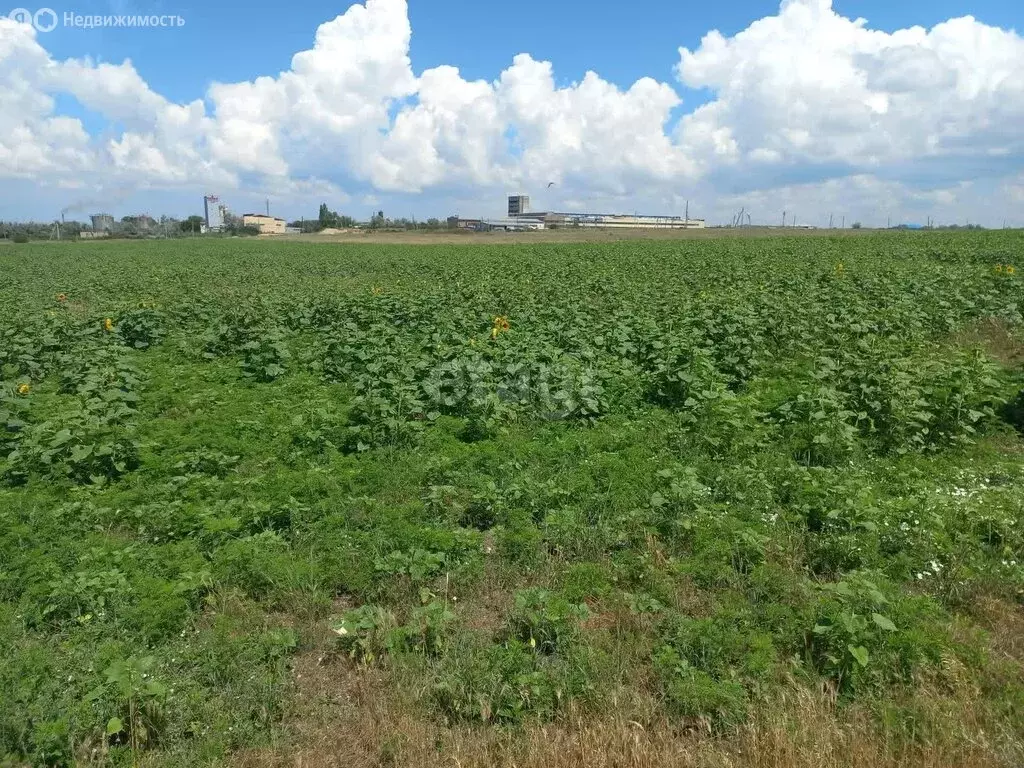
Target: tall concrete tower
(518,205)
(214,213)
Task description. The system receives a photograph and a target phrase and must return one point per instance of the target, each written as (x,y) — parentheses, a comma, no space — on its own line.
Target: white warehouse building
(615,221)
(518,204)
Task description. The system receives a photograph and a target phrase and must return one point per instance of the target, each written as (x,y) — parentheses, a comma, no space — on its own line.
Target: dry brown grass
(997,338)
(1005,623)
(343,716)
(804,730)
(346,716)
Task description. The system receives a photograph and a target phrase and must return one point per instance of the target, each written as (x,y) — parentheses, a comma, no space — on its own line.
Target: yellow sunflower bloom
(24,389)
(108,325)
(1010,270)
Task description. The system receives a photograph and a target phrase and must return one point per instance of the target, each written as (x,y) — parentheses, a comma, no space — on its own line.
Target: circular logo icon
(45,19)
(21,15)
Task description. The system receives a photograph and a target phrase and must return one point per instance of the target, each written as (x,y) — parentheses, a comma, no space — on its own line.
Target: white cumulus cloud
(809,88)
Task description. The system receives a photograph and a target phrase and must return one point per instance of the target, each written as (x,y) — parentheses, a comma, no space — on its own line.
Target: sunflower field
(515,485)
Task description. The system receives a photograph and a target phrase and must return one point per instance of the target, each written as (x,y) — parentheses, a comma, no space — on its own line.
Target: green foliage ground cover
(699,470)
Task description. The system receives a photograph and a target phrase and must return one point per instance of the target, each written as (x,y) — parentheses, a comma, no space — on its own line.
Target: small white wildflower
(340,631)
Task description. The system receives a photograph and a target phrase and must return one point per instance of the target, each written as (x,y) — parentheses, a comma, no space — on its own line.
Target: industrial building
(267,225)
(520,217)
(213,212)
(102,222)
(553,220)
(517,224)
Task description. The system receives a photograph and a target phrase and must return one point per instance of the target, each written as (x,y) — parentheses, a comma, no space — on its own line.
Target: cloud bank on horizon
(808,109)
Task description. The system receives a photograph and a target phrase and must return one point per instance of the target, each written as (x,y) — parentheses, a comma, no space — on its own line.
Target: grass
(752,502)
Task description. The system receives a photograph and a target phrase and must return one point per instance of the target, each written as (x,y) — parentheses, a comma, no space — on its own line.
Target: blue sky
(743,149)
(230,41)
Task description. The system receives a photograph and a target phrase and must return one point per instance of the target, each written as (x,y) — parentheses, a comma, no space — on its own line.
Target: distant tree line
(38,230)
(328,219)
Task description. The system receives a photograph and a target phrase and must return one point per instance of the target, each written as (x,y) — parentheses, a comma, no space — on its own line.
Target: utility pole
(783,218)
(687,213)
